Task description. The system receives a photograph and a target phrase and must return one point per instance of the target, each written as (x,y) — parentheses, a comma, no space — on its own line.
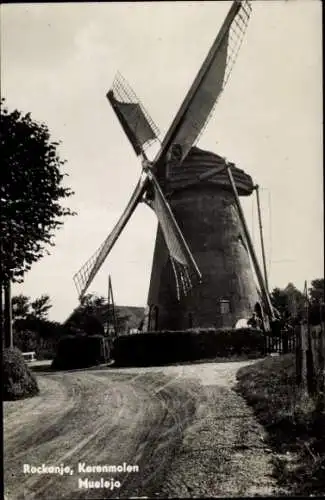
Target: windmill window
(224,306)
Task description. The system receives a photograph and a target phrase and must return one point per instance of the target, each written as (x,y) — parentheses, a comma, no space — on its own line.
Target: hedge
(81,351)
(18,380)
(173,346)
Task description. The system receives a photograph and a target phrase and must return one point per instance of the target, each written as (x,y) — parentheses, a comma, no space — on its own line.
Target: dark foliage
(81,351)
(92,314)
(85,323)
(154,348)
(316,314)
(41,306)
(39,335)
(32,330)
(18,381)
(31,191)
(20,307)
(316,291)
(289,301)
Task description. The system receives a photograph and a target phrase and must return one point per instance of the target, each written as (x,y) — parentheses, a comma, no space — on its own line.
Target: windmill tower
(201,272)
(207,215)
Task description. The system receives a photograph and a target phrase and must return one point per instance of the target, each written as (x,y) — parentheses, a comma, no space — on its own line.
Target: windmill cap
(200,161)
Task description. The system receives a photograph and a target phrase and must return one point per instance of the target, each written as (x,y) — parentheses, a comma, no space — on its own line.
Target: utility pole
(6,306)
(1,317)
(111,306)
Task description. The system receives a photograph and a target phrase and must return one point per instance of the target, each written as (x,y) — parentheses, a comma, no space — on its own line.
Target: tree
(316,301)
(25,337)
(32,330)
(29,315)
(31,191)
(288,301)
(23,308)
(93,314)
(279,300)
(20,307)
(316,291)
(86,316)
(41,306)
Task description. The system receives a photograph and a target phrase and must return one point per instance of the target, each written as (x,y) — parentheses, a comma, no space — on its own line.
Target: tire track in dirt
(158,452)
(95,409)
(53,400)
(190,434)
(109,418)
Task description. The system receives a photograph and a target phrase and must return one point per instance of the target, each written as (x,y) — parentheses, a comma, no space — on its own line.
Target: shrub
(187,345)
(81,351)
(18,380)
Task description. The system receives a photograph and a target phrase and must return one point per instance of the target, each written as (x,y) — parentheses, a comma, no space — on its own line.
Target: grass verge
(294,422)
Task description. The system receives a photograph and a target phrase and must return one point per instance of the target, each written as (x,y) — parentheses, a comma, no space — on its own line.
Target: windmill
(201,266)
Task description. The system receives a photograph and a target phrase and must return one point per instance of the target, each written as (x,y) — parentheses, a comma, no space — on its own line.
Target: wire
(269,264)
(270,231)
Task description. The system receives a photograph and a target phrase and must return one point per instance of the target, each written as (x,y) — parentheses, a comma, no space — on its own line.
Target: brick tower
(207,216)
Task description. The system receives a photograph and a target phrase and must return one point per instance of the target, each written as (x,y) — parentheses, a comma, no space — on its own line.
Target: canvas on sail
(134,122)
(209,83)
(184,267)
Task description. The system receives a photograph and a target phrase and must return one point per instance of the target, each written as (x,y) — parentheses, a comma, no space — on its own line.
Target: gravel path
(187,430)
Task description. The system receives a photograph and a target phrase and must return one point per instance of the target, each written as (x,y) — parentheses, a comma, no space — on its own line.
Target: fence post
(304,347)
(304,341)
(321,361)
(310,362)
(298,334)
(322,343)
(8,315)
(285,344)
(322,369)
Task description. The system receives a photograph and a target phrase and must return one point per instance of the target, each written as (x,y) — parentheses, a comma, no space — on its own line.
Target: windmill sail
(181,136)
(208,85)
(184,266)
(136,122)
(87,273)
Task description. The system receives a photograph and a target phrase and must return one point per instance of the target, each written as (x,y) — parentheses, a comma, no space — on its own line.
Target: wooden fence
(281,343)
(310,357)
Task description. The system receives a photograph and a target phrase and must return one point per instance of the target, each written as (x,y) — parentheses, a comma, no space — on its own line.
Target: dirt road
(184,427)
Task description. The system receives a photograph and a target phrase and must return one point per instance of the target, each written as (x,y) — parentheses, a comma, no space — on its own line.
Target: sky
(58,62)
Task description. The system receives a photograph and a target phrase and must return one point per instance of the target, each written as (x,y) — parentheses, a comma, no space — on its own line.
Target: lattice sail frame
(88,271)
(211,81)
(235,39)
(124,94)
(236,35)
(81,277)
(185,269)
